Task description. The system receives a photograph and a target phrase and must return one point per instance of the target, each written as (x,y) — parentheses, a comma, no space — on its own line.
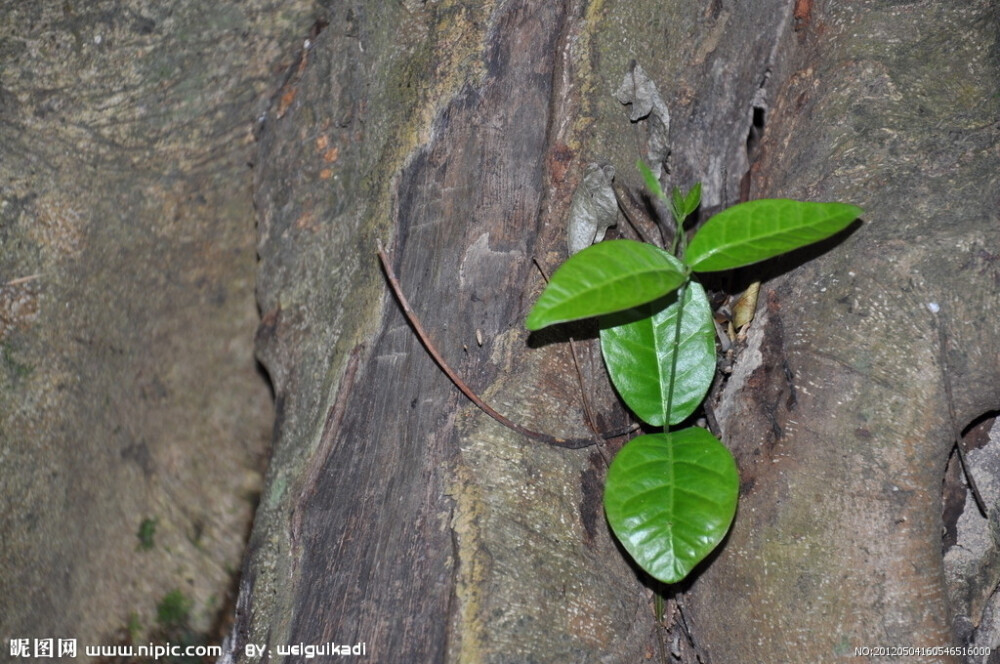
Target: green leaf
(670,499)
(677,205)
(639,347)
(684,205)
(757,230)
(652,183)
(693,199)
(604,278)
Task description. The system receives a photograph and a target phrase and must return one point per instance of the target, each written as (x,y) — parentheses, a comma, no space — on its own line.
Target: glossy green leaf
(604,278)
(639,347)
(670,499)
(757,230)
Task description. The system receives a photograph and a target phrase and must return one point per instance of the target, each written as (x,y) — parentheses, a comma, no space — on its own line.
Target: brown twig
(587,413)
(955,431)
(411,316)
(22,280)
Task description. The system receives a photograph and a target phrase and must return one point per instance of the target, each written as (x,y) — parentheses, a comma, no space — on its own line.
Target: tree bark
(397,515)
(130,399)
(839,410)
(406,519)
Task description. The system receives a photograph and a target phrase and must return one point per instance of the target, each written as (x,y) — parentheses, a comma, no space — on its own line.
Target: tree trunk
(133,417)
(398,516)
(395,514)
(839,410)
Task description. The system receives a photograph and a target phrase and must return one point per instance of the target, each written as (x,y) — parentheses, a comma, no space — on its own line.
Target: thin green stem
(679,243)
(676,249)
(681,292)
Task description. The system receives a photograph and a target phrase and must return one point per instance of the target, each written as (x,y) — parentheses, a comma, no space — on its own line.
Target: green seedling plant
(670,497)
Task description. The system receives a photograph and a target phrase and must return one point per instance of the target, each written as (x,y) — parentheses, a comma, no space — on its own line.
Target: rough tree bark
(393,512)
(397,515)
(128,387)
(839,412)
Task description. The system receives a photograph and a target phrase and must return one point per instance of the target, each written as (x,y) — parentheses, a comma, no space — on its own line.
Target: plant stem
(679,243)
(681,292)
(676,249)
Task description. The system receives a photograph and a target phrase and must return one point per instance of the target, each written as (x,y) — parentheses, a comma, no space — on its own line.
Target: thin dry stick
(955,431)
(587,413)
(570,443)
(22,280)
